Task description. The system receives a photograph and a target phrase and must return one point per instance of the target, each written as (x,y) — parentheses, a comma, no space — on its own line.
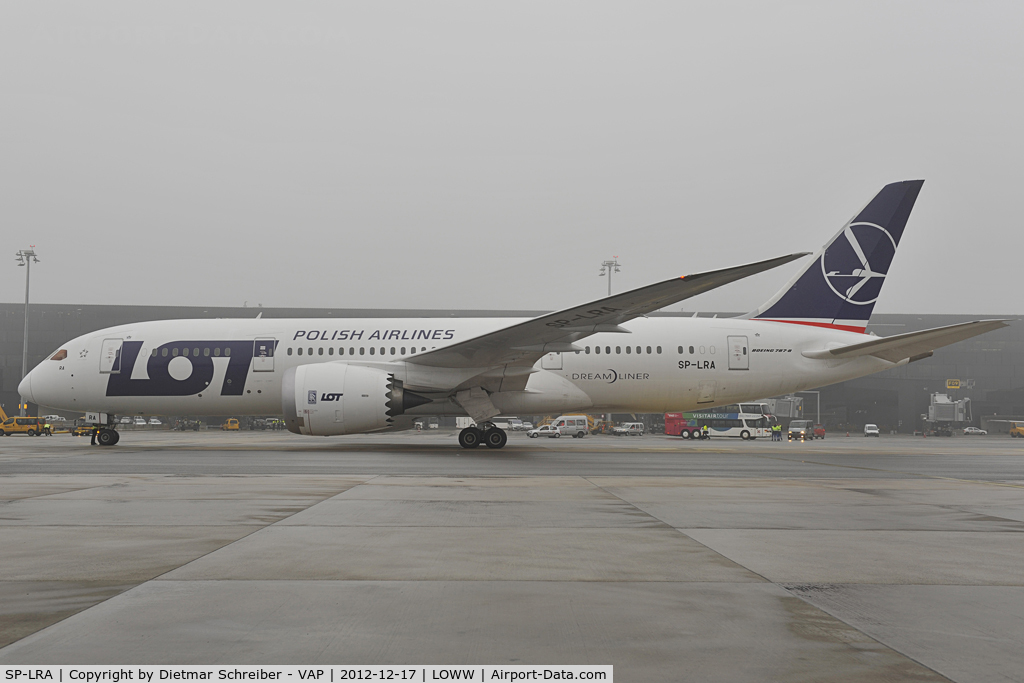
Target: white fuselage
(222,374)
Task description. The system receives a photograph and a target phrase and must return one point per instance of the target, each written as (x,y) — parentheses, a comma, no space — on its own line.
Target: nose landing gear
(106,437)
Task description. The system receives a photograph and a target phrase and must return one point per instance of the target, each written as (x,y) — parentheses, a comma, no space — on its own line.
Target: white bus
(719,423)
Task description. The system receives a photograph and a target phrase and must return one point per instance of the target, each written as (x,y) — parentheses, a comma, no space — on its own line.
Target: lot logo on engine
(331,397)
(311,397)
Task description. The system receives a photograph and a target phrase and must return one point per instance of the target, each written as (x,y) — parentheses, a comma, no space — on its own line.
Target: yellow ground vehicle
(230,425)
(1017,430)
(33,426)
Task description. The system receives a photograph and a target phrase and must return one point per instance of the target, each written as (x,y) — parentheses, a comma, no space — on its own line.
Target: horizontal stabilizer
(912,344)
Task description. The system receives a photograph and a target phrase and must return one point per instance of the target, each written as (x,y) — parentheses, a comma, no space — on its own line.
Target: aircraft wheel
(470,437)
(745,435)
(117,436)
(106,437)
(495,438)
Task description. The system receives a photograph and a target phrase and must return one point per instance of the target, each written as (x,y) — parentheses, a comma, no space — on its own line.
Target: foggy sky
(485,155)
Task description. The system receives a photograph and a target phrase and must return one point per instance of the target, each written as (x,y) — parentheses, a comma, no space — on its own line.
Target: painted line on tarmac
(880,469)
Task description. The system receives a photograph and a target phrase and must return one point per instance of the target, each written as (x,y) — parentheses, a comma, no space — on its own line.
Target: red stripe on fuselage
(831,326)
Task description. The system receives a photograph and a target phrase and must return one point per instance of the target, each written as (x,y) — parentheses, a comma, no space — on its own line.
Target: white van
(572,425)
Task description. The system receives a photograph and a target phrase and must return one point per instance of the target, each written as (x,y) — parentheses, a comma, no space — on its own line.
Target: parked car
(871,430)
(527,425)
(125,420)
(629,429)
(549,431)
(140,422)
(974,431)
(155,421)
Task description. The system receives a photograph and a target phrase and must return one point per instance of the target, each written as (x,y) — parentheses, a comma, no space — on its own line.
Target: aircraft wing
(911,344)
(524,343)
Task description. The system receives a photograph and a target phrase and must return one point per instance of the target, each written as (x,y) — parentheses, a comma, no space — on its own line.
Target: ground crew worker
(704,432)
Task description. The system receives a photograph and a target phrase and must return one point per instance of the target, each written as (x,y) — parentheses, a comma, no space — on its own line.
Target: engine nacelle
(330,399)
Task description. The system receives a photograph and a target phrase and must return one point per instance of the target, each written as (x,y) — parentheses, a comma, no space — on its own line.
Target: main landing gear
(493,437)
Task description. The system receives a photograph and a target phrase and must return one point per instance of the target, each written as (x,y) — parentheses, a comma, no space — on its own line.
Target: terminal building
(989,368)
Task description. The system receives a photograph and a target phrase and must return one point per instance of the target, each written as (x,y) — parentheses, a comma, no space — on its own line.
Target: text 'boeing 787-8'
(331,377)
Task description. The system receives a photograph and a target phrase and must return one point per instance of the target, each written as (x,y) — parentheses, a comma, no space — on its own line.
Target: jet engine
(330,399)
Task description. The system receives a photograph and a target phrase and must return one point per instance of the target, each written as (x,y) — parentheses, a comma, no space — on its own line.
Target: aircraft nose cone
(25,388)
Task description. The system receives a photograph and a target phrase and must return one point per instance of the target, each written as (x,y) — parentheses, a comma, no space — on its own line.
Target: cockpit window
(60,355)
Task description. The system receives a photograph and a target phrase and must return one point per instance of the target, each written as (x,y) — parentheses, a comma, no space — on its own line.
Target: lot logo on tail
(846,267)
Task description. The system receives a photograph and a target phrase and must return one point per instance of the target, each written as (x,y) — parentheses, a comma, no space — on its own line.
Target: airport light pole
(611,267)
(25,258)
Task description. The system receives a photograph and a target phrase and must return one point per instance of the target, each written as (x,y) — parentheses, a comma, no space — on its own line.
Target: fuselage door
(739,357)
(552,361)
(110,357)
(263,354)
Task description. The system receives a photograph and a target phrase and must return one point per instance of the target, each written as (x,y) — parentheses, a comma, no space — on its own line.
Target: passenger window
(320,351)
(392,350)
(597,349)
(216,351)
(217,354)
(702,349)
(413,350)
(403,350)
(163,352)
(184,352)
(587,350)
(607,349)
(618,349)
(351,351)
(382,350)
(206,353)
(362,350)
(680,350)
(341,350)
(658,349)
(310,350)
(174,352)
(154,353)
(629,349)
(227,350)
(300,350)
(712,350)
(330,350)
(195,353)
(372,350)
(691,349)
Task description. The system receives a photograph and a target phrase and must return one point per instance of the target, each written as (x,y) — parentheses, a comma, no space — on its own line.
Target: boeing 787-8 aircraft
(331,377)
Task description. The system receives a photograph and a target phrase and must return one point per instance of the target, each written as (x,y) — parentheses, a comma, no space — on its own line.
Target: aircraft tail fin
(838,289)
